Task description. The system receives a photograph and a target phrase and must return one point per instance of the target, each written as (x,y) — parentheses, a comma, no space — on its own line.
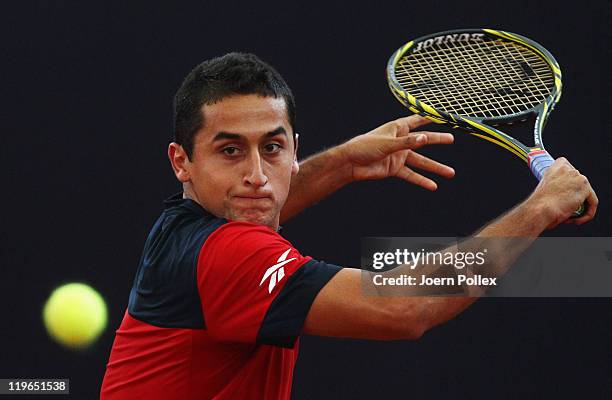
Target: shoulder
(244,237)
(246,251)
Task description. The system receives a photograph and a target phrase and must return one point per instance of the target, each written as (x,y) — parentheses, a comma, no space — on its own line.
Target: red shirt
(254,291)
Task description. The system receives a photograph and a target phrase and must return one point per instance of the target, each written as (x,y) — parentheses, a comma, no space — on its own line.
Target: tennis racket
(478,80)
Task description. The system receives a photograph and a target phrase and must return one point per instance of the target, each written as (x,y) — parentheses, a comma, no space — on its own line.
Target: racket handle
(539,162)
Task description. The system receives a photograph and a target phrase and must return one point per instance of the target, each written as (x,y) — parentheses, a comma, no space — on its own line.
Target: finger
(391,145)
(412,122)
(592,203)
(413,177)
(419,161)
(439,137)
(415,140)
(434,137)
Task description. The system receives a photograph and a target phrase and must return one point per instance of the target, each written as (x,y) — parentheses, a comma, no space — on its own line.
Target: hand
(561,191)
(388,151)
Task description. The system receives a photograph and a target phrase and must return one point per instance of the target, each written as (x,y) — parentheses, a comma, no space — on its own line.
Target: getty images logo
(276,272)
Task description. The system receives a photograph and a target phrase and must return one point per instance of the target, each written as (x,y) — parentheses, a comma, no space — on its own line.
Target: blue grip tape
(539,162)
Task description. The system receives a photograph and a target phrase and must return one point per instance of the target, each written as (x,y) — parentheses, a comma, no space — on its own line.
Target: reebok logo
(276,272)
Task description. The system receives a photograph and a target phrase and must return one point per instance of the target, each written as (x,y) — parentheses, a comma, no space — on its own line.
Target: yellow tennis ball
(75,315)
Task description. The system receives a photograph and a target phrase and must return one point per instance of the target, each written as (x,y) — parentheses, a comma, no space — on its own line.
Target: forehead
(244,114)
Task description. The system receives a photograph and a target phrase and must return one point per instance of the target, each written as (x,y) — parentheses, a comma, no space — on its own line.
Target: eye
(272,148)
(230,151)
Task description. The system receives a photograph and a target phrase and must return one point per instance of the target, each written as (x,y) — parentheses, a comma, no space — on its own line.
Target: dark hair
(218,78)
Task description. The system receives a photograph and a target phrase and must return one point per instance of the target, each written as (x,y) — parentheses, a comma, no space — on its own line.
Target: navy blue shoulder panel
(165,291)
(285,317)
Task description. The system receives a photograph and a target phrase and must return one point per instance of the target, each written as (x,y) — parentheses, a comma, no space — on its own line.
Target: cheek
(283,182)
(211,183)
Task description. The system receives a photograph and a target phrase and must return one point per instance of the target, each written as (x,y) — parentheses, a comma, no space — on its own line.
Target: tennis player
(220,298)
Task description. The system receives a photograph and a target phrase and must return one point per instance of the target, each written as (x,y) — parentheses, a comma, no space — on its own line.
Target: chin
(254,217)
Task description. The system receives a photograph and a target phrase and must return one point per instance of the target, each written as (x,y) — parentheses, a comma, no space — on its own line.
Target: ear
(179,161)
(295,167)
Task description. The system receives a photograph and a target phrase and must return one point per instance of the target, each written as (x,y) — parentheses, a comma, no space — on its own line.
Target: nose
(255,175)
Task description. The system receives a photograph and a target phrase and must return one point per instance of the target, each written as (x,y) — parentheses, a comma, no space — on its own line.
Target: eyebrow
(233,136)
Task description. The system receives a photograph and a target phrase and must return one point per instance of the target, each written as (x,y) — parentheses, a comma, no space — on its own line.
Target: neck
(188,193)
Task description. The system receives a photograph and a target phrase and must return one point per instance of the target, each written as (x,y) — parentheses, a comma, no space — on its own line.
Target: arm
(343,309)
(384,152)
(320,175)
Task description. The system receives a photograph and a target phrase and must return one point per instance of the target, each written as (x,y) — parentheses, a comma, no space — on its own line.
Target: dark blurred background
(86,109)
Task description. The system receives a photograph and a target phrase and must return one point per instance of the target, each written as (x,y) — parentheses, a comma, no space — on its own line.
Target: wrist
(344,165)
(330,168)
(538,212)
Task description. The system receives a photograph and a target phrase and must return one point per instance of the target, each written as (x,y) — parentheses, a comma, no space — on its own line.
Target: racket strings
(458,84)
(482,79)
(474,70)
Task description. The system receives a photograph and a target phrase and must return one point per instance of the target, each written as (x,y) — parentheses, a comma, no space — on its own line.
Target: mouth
(256,198)
(256,208)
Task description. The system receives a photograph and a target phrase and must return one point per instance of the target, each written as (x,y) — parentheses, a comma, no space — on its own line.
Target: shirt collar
(178,200)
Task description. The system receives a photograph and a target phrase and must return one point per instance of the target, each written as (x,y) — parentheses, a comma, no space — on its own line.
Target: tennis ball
(75,315)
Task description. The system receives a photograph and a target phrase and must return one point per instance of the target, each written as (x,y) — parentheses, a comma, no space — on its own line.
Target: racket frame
(483,128)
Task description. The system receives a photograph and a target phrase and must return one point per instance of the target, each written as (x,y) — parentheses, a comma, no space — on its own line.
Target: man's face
(243,159)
